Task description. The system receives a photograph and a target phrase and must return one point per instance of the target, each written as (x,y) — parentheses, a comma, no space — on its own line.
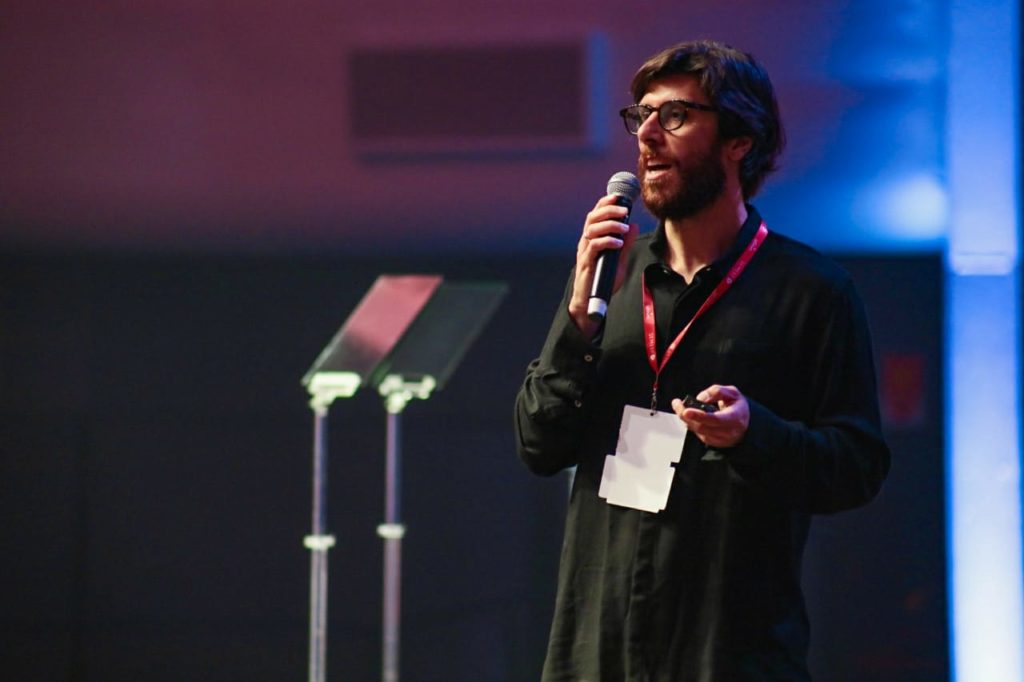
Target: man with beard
(686,525)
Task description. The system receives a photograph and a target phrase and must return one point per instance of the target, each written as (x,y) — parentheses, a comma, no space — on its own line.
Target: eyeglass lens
(671,115)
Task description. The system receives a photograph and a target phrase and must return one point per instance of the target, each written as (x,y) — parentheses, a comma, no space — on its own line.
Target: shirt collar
(725,261)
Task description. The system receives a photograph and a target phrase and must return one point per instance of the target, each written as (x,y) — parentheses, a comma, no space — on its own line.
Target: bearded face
(673,191)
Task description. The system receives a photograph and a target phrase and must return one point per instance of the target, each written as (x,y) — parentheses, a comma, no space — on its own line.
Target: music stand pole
(392,531)
(318,542)
(397,393)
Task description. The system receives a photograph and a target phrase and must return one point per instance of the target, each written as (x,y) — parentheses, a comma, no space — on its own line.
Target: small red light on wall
(903,389)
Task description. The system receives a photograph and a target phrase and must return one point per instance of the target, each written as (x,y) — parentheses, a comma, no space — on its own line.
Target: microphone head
(624,184)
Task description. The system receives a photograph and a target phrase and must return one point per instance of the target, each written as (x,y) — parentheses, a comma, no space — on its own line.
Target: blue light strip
(984,479)
(983,354)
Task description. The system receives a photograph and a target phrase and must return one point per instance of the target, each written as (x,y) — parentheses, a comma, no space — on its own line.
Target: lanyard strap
(650,334)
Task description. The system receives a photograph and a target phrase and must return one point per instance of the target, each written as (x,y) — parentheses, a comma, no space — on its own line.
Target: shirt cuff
(568,350)
(766,434)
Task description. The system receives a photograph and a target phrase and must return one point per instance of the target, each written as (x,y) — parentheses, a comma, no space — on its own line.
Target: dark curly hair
(735,84)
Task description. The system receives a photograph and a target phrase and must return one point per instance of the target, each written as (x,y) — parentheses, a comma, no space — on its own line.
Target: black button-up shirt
(707,590)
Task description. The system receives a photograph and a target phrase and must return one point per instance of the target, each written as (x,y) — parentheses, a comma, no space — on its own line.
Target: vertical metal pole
(318,542)
(392,532)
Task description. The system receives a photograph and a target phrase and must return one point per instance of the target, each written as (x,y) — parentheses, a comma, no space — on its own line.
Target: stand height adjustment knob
(391,531)
(318,543)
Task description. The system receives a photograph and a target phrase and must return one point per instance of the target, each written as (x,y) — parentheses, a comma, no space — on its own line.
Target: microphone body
(625,187)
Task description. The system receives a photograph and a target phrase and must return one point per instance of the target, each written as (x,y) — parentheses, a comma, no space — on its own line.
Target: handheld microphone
(625,187)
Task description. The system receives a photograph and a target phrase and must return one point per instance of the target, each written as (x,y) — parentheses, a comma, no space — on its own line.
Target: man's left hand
(724,428)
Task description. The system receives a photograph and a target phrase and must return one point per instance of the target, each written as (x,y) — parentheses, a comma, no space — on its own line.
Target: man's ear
(737,147)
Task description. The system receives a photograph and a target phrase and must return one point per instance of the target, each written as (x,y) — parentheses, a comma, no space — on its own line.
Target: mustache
(646,159)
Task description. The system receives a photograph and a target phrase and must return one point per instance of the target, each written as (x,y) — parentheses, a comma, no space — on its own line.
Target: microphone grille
(624,184)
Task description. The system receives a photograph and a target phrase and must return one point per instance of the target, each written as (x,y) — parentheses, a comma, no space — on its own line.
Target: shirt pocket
(754,366)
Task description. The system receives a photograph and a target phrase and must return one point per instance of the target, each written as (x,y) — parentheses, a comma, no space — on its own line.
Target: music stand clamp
(405,338)
(398,391)
(326,387)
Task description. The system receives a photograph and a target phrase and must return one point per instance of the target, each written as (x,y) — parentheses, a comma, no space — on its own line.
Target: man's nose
(649,129)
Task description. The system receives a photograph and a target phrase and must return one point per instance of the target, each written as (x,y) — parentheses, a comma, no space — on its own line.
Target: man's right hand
(603,229)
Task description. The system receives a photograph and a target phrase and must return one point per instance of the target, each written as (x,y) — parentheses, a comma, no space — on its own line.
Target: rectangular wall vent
(465,99)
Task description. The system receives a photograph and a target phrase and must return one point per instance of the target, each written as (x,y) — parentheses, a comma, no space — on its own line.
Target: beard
(699,184)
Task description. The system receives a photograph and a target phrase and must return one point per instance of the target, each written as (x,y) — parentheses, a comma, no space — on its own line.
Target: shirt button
(588,357)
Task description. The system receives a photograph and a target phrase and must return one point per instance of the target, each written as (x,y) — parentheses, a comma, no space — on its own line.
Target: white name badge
(639,475)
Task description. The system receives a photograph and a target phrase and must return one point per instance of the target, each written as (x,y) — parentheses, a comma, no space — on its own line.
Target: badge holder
(405,338)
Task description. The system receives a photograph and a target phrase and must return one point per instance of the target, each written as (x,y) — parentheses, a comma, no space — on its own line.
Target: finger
(629,238)
(595,228)
(698,421)
(599,240)
(604,228)
(608,200)
(712,438)
(717,393)
(607,210)
(719,430)
(590,251)
(699,416)
(599,235)
(679,408)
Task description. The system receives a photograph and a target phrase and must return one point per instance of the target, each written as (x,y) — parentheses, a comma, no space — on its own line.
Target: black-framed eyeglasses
(671,114)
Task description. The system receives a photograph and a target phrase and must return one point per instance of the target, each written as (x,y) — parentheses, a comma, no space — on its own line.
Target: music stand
(405,338)
(364,340)
(422,362)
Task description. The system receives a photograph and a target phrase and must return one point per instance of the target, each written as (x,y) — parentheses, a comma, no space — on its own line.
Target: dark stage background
(155,479)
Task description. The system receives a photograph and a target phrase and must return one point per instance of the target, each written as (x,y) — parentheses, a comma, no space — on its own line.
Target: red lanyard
(650,335)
